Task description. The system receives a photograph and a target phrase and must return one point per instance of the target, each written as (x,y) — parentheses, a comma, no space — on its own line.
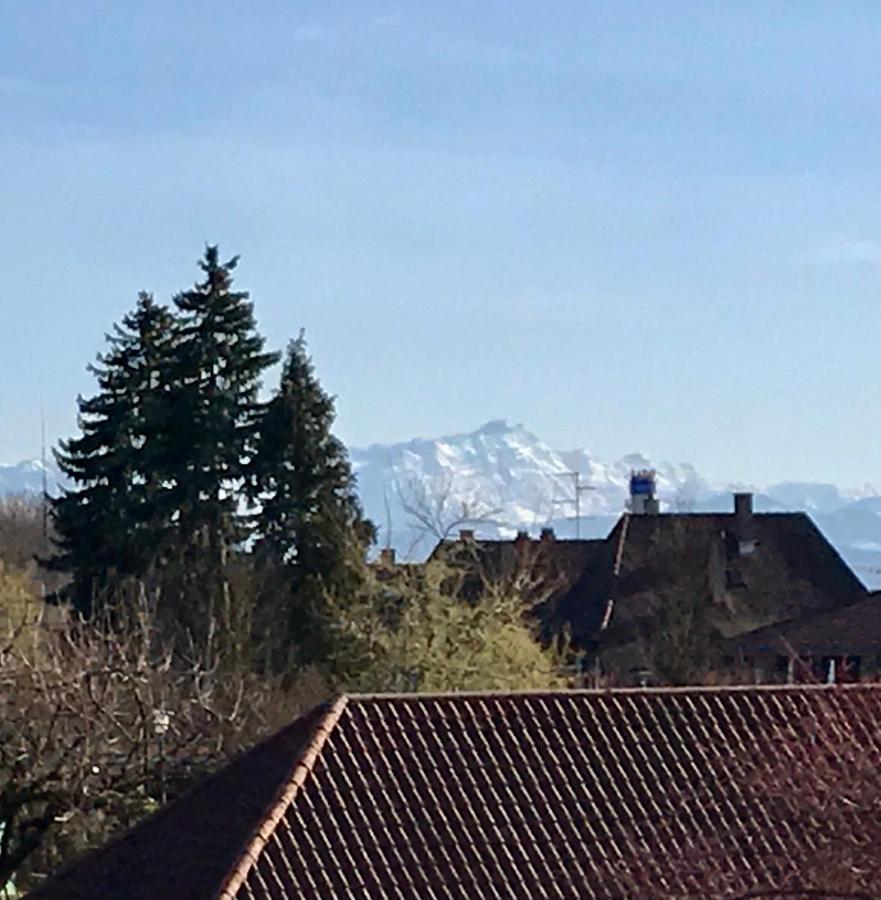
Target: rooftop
(529,795)
(855,629)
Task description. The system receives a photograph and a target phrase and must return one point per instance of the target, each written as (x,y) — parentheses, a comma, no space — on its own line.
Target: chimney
(547,534)
(387,556)
(642,493)
(522,536)
(743,507)
(466,534)
(743,523)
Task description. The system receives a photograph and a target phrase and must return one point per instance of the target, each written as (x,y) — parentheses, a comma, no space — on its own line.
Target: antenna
(45,485)
(43,462)
(388,517)
(579,490)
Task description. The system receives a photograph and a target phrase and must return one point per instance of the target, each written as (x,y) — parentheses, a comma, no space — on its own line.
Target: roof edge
(301,770)
(610,691)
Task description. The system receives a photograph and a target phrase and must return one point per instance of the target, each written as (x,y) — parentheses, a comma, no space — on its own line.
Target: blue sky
(631,226)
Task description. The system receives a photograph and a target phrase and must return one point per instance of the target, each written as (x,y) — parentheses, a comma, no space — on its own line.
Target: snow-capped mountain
(501,478)
(506,475)
(26,477)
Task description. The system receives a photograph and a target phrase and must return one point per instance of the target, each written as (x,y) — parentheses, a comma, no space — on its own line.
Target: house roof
(556,566)
(568,558)
(186,849)
(851,630)
(529,795)
(791,570)
(602,589)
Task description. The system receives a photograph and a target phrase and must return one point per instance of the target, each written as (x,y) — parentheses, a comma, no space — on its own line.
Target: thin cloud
(851,252)
(312,32)
(11,85)
(386,20)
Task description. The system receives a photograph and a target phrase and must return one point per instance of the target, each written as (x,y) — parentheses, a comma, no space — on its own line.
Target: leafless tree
(21,529)
(99,725)
(671,630)
(434,513)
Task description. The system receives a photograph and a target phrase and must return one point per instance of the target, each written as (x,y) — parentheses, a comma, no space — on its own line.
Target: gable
(780,569)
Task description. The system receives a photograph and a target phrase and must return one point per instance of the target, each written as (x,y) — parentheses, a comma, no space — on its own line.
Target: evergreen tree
(219,359)
(112,523)
(309,514)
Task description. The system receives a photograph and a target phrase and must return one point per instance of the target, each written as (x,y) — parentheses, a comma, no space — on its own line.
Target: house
(744,570)
(570,794)
(552,567)
(841,645)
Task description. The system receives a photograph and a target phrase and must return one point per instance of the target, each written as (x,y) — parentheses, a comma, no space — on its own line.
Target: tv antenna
(45,486)
(579,489)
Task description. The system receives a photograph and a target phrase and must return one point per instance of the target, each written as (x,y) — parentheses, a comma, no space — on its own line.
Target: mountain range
(501,478)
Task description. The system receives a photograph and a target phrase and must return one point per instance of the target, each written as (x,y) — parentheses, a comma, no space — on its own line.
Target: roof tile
(549,795)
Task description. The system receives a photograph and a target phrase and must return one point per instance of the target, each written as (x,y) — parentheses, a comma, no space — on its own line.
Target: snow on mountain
(26,477)
(814,496)
(501,478)
(679,485)
(499,475)
(506,474)
(505,478)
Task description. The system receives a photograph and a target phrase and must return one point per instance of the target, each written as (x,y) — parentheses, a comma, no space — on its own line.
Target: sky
(631,226)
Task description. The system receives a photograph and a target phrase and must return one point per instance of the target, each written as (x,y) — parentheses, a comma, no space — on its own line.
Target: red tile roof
(531,795)
(186,849)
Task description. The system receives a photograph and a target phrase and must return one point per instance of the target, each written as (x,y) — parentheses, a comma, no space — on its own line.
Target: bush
(411,629)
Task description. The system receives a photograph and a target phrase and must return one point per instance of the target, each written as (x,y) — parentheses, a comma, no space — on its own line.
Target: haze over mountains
(502,478)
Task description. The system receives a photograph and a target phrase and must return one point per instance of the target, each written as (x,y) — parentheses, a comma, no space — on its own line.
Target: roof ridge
(578,692)
(301,770)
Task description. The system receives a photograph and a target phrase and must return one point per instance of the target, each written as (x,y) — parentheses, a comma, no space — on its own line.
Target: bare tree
(25,538)
(434,513)
(21,529)
(668,633)
(99,725)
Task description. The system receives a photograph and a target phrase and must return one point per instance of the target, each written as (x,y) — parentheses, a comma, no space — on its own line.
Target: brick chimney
(466,534)
(522,536)
(387,556)
(547,534)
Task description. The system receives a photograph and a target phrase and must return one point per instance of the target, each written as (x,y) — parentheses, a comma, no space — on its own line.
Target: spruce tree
(219,360)
(112,523)
(309,514)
